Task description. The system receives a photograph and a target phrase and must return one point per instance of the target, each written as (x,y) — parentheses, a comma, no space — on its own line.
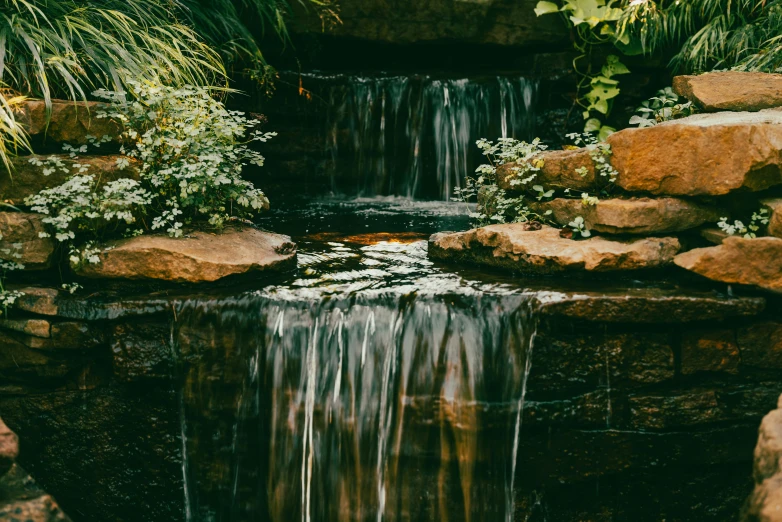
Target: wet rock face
(737,260)
(731,90)
(678,158)
(20,240)
(494,22)
(515,247)
(630,216)
(200,257)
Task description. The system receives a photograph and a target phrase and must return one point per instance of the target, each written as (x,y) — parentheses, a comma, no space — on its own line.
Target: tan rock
(9,447)
(704,154)
(27,179)
(41,301)
(630,216)
(714,235)
(737,260)
(731,90)
(559,170)
(515,247)
(775,220)
(199,258)
(35,327)
(765,503)
(70,122)
(20,240)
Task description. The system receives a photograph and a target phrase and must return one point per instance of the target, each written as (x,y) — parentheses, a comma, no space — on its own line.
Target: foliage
(9,297)
(663,107)
(750,231)
(578,227)
(190,152)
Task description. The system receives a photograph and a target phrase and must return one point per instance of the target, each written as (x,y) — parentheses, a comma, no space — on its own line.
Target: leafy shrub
(190,150)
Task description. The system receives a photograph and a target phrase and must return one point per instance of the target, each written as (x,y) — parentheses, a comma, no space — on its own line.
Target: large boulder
(774,206)
(28,177)
(515,246)
(731,90)
(737,260)
(200,257)
(701,155)
(22,500)
(493,22)
(630,216)
(559,169)
(9,448)
(68,122)
(20,240)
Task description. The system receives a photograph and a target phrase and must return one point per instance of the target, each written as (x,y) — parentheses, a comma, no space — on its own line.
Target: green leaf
(546,8)
(613,66)
(605,131)
(585,114)
(604,80)
(592,125)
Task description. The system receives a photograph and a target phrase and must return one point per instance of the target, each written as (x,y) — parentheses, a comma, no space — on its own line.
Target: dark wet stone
(67,335)
(710,351)
(648,306)
(9,448)
(19,362)
(142,351)
(761,345)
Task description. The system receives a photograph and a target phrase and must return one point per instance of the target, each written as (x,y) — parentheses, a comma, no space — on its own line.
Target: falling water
(415,136)
(382,408)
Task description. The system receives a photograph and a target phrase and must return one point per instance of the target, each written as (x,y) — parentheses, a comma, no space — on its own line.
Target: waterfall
(414,136)
(383,408)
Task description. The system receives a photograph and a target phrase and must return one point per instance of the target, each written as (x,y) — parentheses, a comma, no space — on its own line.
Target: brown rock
(20,241)
(705,154)
(765,503)
(41,301)
(559,169)
(775,221)
(714,235)
(27,179)
(19,363)
(22,500)
(544,251)
(35,327)
(731,90)
(199,258)
(70,122)
(630,216)
(9,448)
(710,351)
(761,345)
(69,335)
(737,260)
(659,412)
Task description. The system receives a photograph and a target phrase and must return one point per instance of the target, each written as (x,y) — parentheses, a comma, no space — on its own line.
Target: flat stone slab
(513,246)
(631,216)
(20,240)
(201,257)
(737,260)
(647,305)
(71,122)
(27,178)
(34,327)
(731,90)
(774,206)
(701,155)
(559,168)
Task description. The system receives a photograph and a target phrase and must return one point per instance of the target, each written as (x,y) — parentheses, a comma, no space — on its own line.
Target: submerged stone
(20,240)
(27,179)
(200,257)
(514,246)
(731,90)
(704,154)
(737,260)
(630,216)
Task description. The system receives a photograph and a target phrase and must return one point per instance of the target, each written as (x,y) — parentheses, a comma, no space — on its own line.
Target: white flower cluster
(750,231)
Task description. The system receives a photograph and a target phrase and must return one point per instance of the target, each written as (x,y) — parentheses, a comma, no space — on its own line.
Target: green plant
(750,231)
(190,151)
(9,297)
(663,107)
(579,227)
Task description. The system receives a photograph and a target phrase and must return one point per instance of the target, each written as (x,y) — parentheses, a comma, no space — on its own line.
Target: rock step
(515,246)
(685,157)
(200,257)
(731,90)
(20,241)
(28,178)
(737,260)
(70,122)
(630,216)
